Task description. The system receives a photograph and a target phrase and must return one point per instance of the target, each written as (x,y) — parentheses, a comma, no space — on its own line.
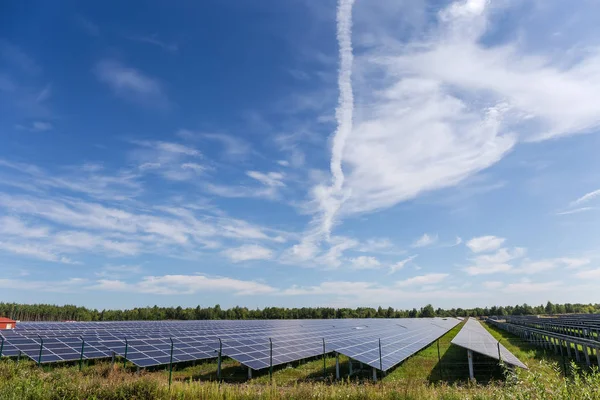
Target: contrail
(331,198)
(343,112)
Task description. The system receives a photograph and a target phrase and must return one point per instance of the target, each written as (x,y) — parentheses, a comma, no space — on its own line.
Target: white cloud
(34,251)
(194,167)
(536,266)
(234,146)
(65,286)
(158,285)
(501,256)
(400,264)
(360,294)
(131,84)
(434,111)
(375,245)
(532,287)
(485,243)
(591,274)
(421,280)
(172,161)
(153,40)
(82,227)
(16,227)
(185,284)
(241,191)
(487,269)
(248,252)
(88,26)
(332,257)
(119,271)
(364,262)
(494,263)
(575,211)
(311,252)
(36,126)
(425,240)
(586,198)
(273,179)
(492,284)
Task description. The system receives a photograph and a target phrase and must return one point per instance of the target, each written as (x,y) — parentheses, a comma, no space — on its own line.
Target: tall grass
(101,381)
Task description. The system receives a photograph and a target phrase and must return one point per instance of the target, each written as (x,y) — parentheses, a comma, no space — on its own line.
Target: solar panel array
(473,336)
(257,344)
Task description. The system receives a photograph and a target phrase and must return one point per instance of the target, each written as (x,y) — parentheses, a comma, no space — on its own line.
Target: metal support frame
(41,348)
(598,355)
(439,359)
(586,354)
(324,362)
(470,360)
(380,359)
(499,354)
(81,354)
(112,359)
(349,367)
(219,360)
(249,373)
(126,348)
(270,359)
(171,364)
(374,374)
(19,357)
(337,366)
(576,352)
(562,355)
(1,346)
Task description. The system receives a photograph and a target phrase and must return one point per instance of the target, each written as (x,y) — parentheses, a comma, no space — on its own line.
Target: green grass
(421,376)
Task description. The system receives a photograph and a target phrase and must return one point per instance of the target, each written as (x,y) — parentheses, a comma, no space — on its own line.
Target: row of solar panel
(244,342)
(473,336)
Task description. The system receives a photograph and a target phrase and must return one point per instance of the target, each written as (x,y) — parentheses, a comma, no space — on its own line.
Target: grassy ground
(420,377)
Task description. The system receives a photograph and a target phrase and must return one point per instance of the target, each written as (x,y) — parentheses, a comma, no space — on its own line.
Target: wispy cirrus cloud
(578,205)
(35,126)
(400,264)
(248,252)
(273,179)
(14,55)
(171,47)
(425,240)
(422,280)
(365,262)
(87,25)
(586,198)
(131,84)
(173,161)
(485,243)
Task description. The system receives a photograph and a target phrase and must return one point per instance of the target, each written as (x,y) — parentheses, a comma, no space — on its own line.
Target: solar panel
(397,343)
(150,352)
(473,336)
(46,350)
(149,342)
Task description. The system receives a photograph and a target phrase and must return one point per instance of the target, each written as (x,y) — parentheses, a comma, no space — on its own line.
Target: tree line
(49,312)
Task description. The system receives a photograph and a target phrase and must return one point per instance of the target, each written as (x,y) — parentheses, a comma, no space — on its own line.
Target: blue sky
(299,153)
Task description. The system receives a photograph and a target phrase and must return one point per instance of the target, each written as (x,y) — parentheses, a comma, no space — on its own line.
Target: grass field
(422,376)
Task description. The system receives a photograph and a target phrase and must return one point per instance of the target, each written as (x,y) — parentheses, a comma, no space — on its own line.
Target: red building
(7,323)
